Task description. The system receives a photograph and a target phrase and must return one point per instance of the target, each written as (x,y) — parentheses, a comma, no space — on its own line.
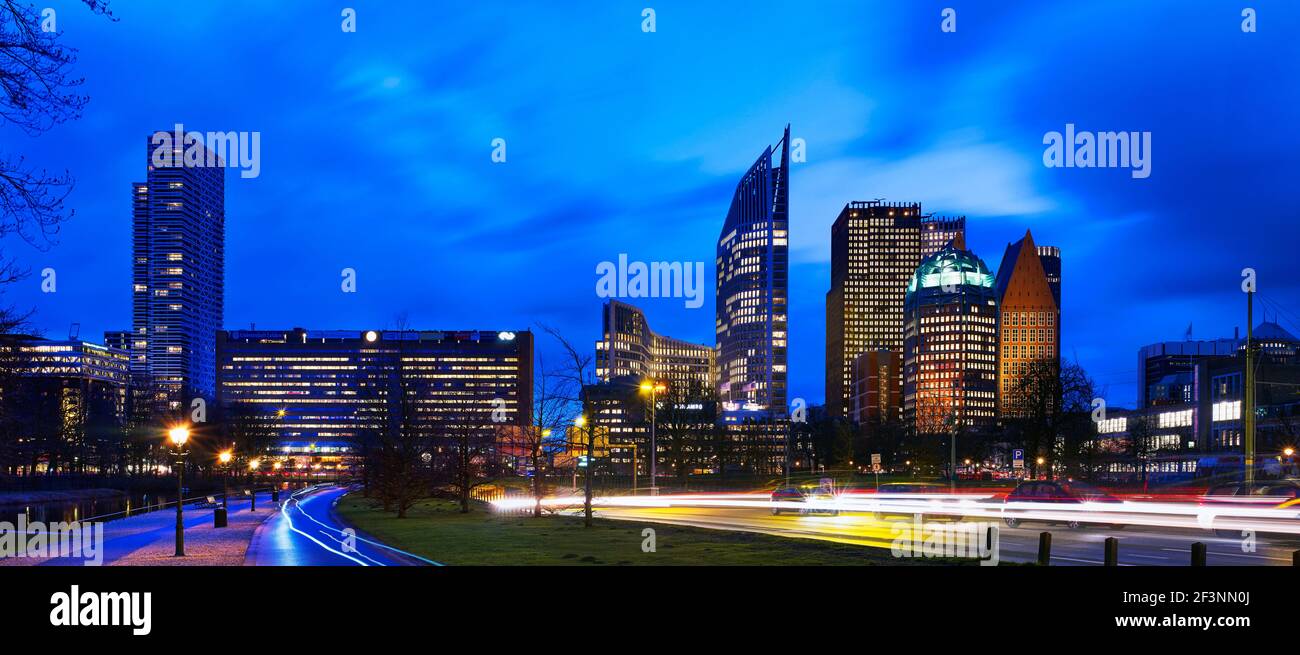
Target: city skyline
(859,146)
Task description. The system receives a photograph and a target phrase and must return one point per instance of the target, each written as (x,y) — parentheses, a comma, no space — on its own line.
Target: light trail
(1160,514)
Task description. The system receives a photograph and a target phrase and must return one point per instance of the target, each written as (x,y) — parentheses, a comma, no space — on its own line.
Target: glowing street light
(178,436)
(253,465)
(654,388)
(224,458)
(1288,451)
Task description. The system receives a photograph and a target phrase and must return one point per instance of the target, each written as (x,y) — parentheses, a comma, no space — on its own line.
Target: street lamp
(224,458)
(1288,451)
(253,465)
(654,388)
(178,436)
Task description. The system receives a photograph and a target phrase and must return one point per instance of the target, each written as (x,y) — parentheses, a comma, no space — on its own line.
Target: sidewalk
(150,539)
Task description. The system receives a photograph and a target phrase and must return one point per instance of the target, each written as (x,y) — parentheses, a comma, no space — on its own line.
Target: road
(307,532)
(1138,546)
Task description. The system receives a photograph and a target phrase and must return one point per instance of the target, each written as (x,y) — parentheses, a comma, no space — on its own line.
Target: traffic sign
(1018,458)
(875,458)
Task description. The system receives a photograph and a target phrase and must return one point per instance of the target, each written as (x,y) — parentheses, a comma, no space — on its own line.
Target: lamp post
(178,436)
(581,423)
(252,487)
(654,389)
(224,458)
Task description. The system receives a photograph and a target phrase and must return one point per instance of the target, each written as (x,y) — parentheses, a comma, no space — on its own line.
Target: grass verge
(437,530)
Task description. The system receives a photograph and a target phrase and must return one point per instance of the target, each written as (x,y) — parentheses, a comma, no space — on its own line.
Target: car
(1054,493)
(817,500)
(908,488)
(1265,494)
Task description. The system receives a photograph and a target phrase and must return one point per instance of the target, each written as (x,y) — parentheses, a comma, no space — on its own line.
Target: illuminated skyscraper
(178,281)
(629,347)
(875,248)
(1030,318)
(939,231)
(950,344)
(753,278)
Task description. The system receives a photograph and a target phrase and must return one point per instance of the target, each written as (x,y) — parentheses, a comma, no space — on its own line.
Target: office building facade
(1030,323)
(178,281)
(66,400)
(875,248)
(752,290)
(950,345)
(320,392)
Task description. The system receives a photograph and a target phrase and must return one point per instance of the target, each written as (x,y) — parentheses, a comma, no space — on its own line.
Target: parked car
(1053,493)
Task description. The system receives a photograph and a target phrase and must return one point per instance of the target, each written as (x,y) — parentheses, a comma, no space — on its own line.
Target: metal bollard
(275,495)
(1112,551)
(1044,548)
(1198,554)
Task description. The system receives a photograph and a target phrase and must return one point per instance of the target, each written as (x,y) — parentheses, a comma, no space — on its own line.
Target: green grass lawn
(435,529)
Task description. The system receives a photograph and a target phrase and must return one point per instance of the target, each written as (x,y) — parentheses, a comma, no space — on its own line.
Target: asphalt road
(1138,546)
(307,532)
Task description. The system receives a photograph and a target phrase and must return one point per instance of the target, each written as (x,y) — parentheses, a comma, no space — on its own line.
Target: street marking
(1208,552)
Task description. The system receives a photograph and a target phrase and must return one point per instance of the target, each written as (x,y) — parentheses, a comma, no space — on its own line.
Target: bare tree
(37,91)
(573,378)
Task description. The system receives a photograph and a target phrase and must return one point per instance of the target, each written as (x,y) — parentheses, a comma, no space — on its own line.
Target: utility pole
(1248,411)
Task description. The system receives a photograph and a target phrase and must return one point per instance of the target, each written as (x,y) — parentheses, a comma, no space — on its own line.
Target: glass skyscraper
(875,248)
(950,344)
(178,278)
(753,266)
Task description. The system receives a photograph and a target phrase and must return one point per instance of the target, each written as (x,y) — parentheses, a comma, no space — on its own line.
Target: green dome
(951,267)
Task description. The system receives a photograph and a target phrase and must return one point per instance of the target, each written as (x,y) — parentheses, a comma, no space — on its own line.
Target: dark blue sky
(376,145)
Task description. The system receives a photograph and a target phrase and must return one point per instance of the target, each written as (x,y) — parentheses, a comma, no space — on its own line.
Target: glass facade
(752,289)
(950,344)
(178,283)
(325,389)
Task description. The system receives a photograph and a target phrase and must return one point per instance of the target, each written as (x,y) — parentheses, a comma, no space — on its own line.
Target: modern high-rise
(317,392)
(939,231)
(875,248)
(1030,320)
(950,344)
(630,354)
(628,347)
(178,279)
(753,266)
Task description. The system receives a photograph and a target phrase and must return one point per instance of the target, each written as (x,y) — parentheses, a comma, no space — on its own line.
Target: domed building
(950,344)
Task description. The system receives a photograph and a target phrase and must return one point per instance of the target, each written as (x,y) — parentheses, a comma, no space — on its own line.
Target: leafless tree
(37,91)
(574,377)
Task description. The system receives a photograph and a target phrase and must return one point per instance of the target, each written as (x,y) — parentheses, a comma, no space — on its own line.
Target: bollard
(1112,551)
(1198,554)
(275,495)
(219,517)
(1044,548)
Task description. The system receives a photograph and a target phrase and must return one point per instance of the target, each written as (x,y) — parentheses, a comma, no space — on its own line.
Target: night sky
(375,153)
